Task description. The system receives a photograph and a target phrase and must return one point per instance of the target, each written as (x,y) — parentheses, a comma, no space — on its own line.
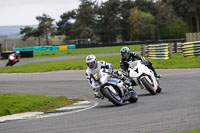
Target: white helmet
(91,61)
(17,52)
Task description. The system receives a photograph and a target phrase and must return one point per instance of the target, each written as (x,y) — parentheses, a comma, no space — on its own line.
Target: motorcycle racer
(93,67)
(13,58)
(17,55)
(132,56)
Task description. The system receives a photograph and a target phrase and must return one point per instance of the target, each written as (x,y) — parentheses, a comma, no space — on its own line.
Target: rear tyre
(115,99)
(148,86)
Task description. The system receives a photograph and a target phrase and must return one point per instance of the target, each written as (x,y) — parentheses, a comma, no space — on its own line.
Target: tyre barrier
(158,51)
(46,48)
(191,49)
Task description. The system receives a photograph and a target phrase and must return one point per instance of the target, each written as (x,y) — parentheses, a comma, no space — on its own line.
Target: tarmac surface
(176,108)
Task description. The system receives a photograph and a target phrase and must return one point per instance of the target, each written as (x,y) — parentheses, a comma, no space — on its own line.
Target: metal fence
(92,45)
(191,37)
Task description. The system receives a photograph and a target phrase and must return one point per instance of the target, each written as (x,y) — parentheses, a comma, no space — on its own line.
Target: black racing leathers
(132,57)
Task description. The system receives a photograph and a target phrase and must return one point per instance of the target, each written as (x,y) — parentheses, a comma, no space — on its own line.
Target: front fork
(138,82)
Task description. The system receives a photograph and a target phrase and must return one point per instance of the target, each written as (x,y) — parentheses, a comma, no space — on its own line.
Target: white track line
(77,107)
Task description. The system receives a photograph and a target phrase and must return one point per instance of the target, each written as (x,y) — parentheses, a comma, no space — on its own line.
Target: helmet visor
(91,64)
(124,55)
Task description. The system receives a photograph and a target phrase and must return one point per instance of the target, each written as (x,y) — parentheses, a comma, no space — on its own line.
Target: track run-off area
(176,108)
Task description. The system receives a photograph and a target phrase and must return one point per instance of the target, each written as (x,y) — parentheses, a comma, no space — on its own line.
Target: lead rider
(93,67)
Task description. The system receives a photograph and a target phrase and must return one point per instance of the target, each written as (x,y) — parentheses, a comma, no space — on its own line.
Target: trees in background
(189,11)
(142,25)
(45,28)
(64,26)
(166,20)
(194,11)
(124,20)
(108,21)
(28,32)
(84,21)
(126,6)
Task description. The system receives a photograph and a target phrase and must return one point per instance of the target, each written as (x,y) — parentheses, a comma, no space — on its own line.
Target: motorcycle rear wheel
(115,99)
(148,86)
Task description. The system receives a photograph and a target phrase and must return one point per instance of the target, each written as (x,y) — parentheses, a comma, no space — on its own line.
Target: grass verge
(191,131)
(14,103)
(84,51)
(177,62)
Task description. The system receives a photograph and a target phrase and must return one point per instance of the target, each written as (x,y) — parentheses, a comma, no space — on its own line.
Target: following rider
(132,56)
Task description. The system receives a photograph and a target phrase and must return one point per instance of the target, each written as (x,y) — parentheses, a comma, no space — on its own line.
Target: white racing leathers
(90,73)
(105,84)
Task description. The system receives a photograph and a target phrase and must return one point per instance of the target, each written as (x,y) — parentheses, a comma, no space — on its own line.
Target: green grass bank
(190,131)
(14,103)
(177,62)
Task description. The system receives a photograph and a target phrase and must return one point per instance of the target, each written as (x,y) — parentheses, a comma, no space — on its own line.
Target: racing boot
(98,95)
(158,75)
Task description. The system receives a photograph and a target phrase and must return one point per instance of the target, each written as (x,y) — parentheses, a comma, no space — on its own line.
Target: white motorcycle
(144,77)
(114,89)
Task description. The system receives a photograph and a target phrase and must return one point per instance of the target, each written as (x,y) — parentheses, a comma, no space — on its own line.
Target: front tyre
(114,98)
(148,86)
(159,89)
(9,63)
(133,97)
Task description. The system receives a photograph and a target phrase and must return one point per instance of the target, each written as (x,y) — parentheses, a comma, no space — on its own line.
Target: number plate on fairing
(112,80)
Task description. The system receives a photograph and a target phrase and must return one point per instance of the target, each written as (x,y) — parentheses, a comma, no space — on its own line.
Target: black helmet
(125,52)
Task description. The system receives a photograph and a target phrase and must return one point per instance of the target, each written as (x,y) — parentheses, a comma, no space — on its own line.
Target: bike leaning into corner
(144,77)
(107,83)
(140,72)
(13,58)
(114,89)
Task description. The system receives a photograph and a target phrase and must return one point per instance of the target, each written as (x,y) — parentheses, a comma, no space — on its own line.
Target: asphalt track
(176,108)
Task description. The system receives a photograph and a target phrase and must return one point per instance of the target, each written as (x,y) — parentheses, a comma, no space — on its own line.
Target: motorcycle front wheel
(9,63)
(159,89)
(113,97)
(148,86)
(133,97)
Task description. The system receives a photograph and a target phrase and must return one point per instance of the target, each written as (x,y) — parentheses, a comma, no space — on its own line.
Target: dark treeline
(122,21)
